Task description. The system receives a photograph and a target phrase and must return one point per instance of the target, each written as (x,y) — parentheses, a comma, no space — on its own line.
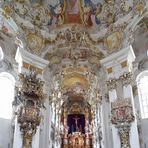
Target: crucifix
(76,122)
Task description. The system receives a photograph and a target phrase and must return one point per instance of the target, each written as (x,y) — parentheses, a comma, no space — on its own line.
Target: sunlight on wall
(143,94)
(6,95)
(1,53)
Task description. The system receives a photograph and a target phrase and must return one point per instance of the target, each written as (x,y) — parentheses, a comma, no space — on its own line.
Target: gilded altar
(76,140)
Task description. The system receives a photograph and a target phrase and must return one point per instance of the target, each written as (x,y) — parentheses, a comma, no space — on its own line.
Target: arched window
(142,81)
(7,83)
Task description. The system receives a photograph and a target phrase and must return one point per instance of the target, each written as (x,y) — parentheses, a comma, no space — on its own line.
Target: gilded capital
(126,78)
(111,84)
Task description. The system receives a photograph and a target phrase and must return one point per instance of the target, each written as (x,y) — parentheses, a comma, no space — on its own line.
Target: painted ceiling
(73,35)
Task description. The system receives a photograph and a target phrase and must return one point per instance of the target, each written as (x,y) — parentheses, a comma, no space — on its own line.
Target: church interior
(73,73)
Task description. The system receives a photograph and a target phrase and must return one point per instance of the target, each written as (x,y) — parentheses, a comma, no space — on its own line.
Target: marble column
(86,120)
(87,127)
(112,98)
(36,139)
(65,130)
(122,109)
(101,131)
(128,93)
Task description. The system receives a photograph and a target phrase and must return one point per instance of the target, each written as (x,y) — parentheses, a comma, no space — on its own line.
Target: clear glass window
(143,94)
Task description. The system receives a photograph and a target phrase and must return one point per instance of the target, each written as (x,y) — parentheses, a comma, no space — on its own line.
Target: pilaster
(118,67)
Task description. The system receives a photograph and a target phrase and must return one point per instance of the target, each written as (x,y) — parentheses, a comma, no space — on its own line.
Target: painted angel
(87,16)
(57,12)
(97,13)
(89,10)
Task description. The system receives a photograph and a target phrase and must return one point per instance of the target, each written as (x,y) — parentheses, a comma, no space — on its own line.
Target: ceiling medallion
(113,41)
(34,42)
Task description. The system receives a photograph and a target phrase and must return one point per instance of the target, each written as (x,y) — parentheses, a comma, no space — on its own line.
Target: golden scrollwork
(122,111)
(126,78)
(31,85)
(122,116)
(124,133)
(113,41)
(31,95)
(35,42)
(29,119)
(111,84)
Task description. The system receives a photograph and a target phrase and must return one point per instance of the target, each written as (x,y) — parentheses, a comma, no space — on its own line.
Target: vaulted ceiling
(74,35)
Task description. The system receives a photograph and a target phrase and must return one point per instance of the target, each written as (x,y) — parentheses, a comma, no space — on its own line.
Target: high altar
(77,127)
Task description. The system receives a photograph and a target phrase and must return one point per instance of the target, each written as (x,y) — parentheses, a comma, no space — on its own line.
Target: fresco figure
(72,6)
(49,16)
(73,11)
(57,13)
(87,16)
(97,13)
(89,10)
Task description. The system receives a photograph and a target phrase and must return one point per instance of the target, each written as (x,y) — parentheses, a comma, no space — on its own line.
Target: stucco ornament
(35,42)
(122,117)
(111,84)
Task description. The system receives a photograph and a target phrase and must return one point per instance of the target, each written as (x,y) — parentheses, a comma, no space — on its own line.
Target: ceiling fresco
(104,23)
(73,36)
(74,81)
(91,14)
